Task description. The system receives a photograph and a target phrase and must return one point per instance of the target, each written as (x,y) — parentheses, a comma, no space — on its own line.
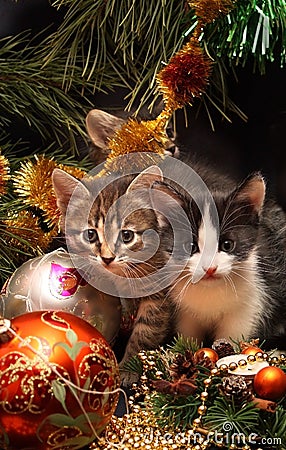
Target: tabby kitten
(112,232)
(234,282)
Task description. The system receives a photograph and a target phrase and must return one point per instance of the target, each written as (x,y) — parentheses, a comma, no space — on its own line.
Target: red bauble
(45,371)
(270,383)
(209,352)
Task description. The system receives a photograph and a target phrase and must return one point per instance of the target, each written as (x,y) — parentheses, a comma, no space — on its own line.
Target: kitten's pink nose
(210,270)
(107,261)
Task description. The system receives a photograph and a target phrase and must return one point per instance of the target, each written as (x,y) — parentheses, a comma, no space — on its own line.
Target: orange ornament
(270,383)
(251,350)
(207,352)
(58,382)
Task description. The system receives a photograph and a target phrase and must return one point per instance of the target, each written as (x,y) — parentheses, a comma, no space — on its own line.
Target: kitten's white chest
(225,307)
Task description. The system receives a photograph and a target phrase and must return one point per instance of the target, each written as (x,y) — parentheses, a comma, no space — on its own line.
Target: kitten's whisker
(226,217)
(229,280)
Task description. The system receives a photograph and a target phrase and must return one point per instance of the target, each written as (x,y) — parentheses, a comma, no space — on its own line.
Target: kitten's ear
(101,126)
(146,179)
(64,185)
(252,191)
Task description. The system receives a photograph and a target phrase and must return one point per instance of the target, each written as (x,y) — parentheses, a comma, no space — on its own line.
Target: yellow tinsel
(33,183)
(4,173)
(140,138)
(23,231)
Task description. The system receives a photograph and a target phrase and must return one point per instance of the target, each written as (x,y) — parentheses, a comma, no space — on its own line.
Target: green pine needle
(239,420)
(134,365)
(174,411)
(274,426)
(181,344)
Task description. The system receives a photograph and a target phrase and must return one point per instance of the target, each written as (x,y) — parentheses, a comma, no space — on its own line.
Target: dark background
(237,147)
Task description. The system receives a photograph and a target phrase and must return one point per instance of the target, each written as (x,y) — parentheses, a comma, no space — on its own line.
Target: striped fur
(119,207)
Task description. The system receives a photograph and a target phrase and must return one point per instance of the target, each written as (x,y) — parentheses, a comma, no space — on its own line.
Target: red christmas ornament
(58,375)
(209,352)
(270,383)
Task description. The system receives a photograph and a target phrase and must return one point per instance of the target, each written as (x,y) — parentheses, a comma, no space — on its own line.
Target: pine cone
(183,365)
(237,388)
(223,348)
(204,361)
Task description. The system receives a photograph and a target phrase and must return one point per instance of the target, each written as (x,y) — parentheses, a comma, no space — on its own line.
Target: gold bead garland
(139,429)
(252,359)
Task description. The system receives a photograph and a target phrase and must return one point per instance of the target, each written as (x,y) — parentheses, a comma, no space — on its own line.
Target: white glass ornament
(51,282)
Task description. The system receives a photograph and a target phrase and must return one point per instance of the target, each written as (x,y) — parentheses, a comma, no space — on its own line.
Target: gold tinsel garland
(4,173)
(33,183)
(23,231)
(35,227)
(184,78)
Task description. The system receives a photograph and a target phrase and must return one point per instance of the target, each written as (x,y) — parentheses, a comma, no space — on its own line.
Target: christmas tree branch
(35,94)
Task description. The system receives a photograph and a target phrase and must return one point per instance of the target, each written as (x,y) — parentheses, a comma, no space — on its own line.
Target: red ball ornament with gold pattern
(59,382)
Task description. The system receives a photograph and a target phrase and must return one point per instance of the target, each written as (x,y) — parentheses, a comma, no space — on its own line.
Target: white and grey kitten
(234,282)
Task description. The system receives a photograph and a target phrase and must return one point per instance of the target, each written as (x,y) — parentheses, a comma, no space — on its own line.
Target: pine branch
(132,42)
(274,426)
(35,94)
(182,344)
(174,411)
(241,420)
(134,365)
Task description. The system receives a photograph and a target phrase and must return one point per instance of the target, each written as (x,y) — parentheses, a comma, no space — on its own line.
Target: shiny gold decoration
(270,383)
(206,352)
(139,429)
(33,183)
(244,365)
(251,359)
(4,173)
(232,366)
(23,231)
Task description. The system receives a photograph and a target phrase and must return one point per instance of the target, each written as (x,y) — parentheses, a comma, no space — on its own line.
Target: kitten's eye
(191,248)
(127,236)
(227,246)
(90,235)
